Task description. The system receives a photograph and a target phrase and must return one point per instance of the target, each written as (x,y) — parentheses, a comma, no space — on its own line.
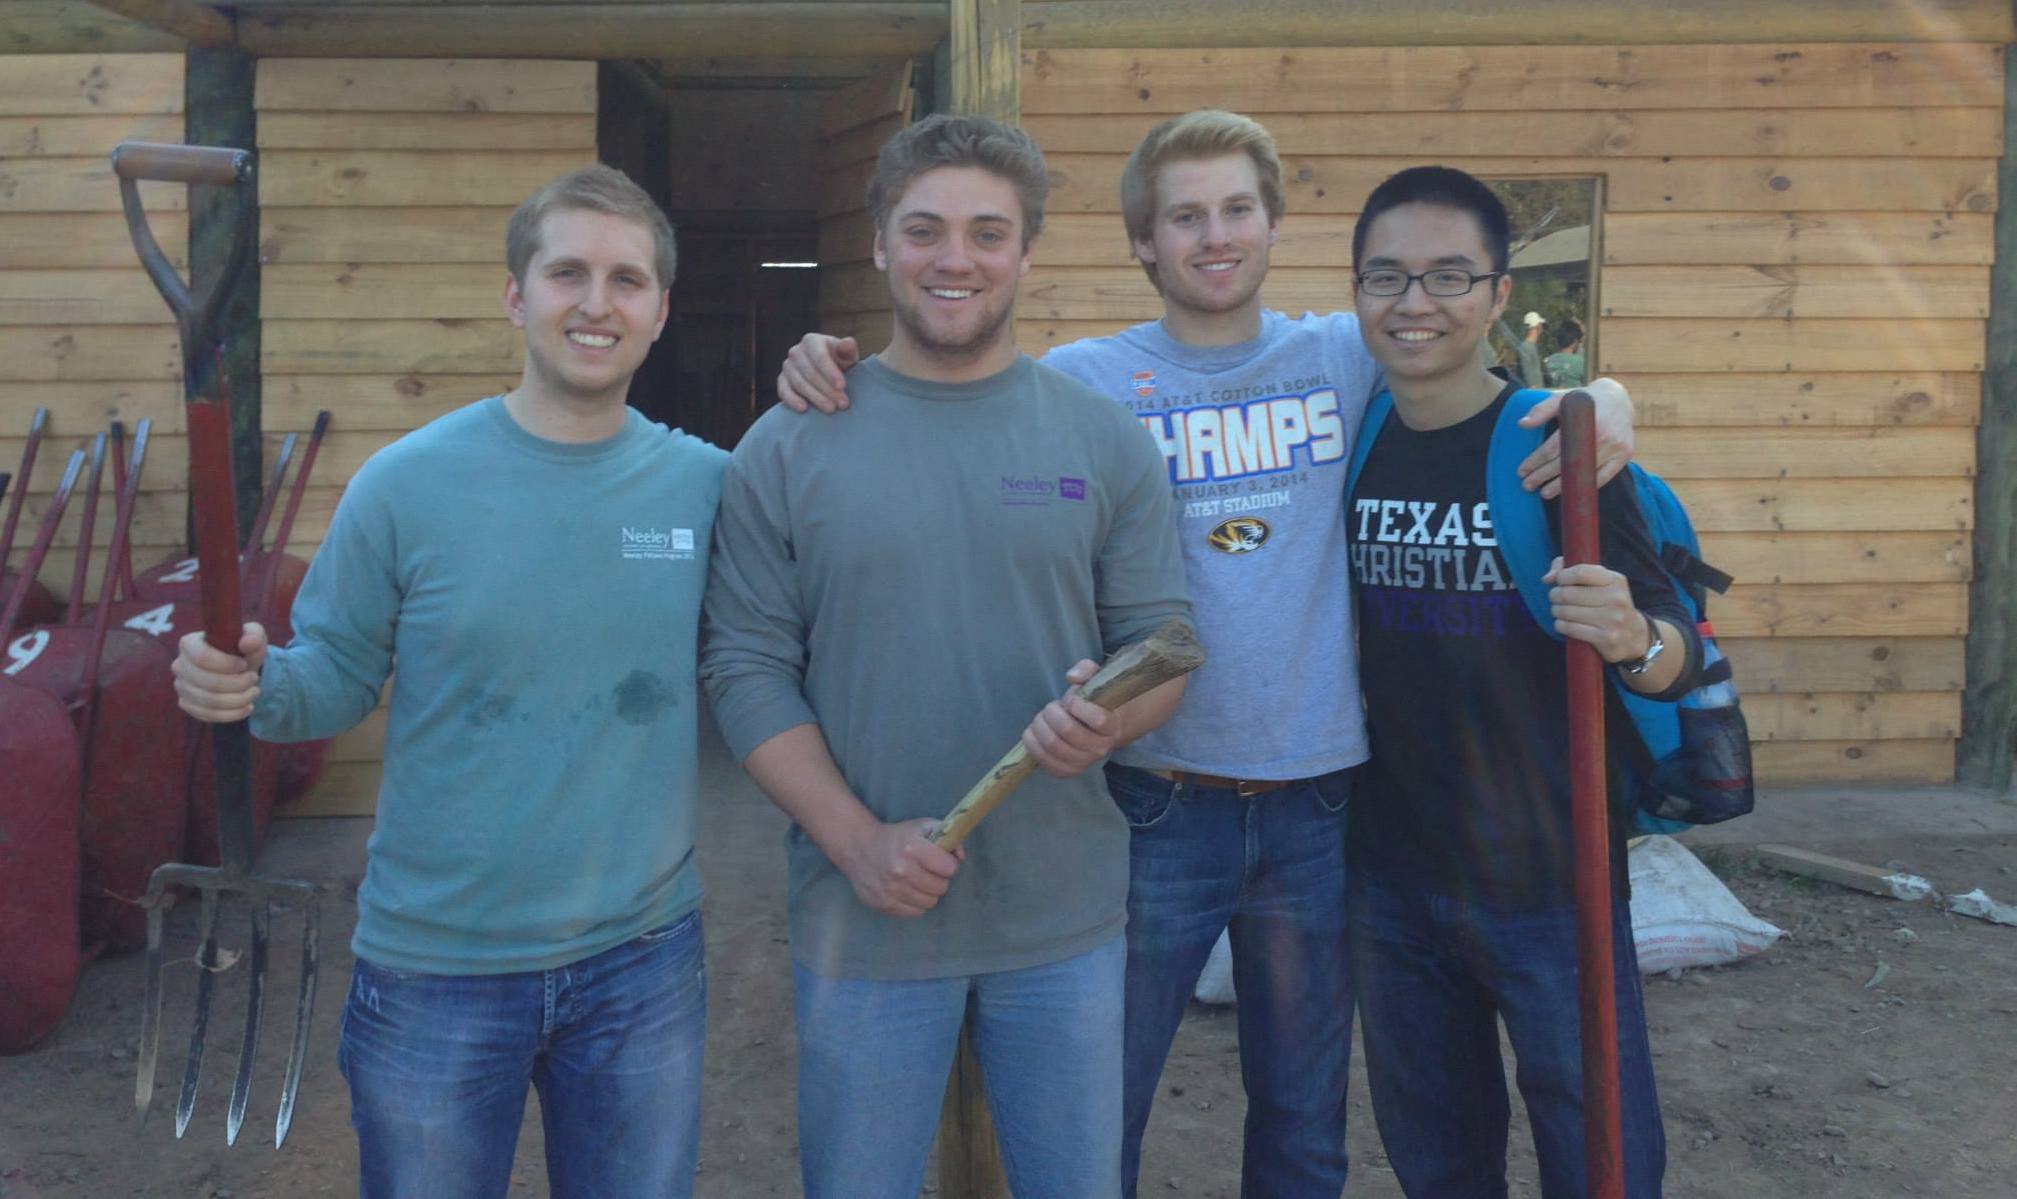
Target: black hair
(1572,332)
(1448,187)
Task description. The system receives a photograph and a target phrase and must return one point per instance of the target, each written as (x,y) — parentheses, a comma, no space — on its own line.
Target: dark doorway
(728,153)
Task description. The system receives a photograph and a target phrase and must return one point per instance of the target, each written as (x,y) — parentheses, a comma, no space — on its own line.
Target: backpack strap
(1519,521)
(1377,411)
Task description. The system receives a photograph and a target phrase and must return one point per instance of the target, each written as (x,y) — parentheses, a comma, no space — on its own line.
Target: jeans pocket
(1144,799)
(659,936)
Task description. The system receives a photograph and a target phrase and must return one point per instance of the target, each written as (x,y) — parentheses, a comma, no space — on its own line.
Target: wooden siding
(384,190)
(1794,286)
(82,331)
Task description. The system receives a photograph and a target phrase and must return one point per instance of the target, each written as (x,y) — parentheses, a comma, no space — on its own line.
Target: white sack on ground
(1682,914)
(1215,985)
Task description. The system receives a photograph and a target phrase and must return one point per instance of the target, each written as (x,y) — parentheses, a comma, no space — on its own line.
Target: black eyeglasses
(1447,283)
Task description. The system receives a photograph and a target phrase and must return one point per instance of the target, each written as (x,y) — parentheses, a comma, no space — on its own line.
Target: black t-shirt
(1468,788)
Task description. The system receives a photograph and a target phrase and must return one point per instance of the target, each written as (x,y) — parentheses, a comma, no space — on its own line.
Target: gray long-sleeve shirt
(915,577)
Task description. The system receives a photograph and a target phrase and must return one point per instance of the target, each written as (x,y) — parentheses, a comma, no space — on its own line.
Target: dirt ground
(1872,1053)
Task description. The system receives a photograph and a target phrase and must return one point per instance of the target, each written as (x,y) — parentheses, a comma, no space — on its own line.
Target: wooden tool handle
(218,166)
(1603,1137)
(1170,651)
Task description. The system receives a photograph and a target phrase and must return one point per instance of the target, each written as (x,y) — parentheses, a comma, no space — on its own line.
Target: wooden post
(1989,705)
(969,1159)
(986,58)
(983,58)
(217,100)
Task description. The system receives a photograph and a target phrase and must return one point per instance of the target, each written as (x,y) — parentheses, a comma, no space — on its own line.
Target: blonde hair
(944,140)
(1203,133)
(593,189)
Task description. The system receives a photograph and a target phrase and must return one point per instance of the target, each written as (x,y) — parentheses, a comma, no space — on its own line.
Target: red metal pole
(1603,1126)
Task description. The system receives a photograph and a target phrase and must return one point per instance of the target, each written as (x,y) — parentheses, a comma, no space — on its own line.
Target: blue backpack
(1695,767)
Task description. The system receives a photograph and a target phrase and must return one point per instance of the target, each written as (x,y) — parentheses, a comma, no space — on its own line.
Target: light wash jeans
(874,1055)
(438,1066)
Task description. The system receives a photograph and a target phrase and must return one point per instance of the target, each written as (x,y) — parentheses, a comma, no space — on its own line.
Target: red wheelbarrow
(40,776)
(132,743)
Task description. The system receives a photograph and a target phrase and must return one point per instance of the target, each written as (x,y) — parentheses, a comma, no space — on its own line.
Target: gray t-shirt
(915,576)
(1258,437)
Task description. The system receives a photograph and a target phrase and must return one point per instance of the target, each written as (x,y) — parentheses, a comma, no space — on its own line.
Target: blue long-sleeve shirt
(541,601)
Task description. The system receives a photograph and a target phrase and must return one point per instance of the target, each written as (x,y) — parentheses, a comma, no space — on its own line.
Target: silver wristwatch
(1654,646)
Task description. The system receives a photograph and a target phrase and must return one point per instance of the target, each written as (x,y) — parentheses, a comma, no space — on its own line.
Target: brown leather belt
(1242,787)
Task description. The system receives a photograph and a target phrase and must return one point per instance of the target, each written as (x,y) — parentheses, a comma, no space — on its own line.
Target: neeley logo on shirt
(673,545)
(1039,490)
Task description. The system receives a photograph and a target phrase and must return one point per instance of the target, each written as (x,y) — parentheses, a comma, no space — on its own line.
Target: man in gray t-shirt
(893,594)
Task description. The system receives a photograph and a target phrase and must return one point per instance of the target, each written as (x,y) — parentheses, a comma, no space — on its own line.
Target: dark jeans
(438,1067)
(1271,869)
(1435,975)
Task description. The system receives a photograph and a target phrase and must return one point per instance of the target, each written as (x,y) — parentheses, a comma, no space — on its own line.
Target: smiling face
(1426,343)
(953,251)
(1210,240)
(590,306)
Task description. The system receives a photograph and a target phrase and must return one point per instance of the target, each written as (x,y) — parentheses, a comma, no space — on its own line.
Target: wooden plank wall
(1795,287)
(385,185)
(82,331)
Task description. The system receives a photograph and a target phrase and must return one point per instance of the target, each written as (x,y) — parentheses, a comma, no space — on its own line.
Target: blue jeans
(874,1056)
(438,1066)
(1435,976)
(1271,869)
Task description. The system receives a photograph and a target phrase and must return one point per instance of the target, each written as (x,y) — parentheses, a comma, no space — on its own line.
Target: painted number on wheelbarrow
(184,571)
(156,621)
(26,649)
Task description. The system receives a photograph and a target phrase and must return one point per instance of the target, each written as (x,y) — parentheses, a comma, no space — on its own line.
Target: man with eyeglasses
(1237,803)
(1462,856)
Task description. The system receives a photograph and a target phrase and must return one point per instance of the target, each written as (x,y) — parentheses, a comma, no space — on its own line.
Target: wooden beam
(1983,758)
(1891,884)
(76,27)
(986,58)
(788,29)
(1151,24)
(194,23)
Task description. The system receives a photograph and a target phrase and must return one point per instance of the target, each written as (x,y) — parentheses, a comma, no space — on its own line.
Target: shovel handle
(1590,815)
(161,162)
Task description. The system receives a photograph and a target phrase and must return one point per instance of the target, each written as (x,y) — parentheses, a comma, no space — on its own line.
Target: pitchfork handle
(215,166)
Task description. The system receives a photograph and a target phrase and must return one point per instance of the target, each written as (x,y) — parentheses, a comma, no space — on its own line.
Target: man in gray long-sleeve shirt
(893,594)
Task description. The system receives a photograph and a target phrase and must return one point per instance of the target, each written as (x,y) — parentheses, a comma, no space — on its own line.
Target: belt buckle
(1248,788)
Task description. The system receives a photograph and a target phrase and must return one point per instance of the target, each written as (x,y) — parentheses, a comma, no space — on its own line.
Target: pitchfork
(207,398)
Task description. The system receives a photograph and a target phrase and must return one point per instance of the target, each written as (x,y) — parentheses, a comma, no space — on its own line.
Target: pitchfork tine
(150,1009)
(255,1005)
(206,973)
(297,1054)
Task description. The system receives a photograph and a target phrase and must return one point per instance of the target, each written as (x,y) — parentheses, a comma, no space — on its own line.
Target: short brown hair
(943,140)
(592,189)
(1204,133)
